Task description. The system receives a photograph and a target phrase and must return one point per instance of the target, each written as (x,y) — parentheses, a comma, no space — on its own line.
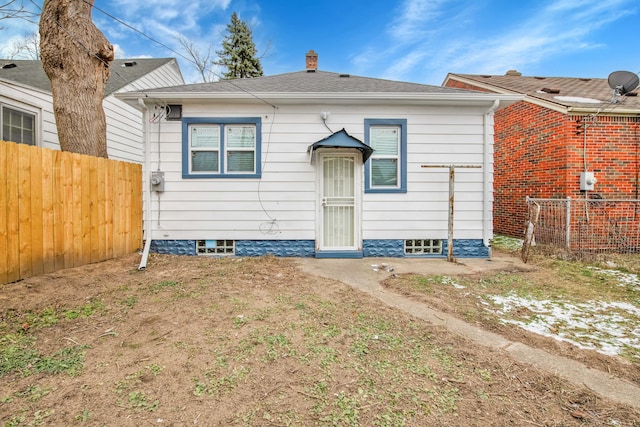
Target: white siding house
(26,103)
(315,163)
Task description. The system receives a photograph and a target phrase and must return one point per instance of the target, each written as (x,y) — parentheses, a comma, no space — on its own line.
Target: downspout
(145,188)
(487,226)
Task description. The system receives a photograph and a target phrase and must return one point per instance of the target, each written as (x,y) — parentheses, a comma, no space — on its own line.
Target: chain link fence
(583,227)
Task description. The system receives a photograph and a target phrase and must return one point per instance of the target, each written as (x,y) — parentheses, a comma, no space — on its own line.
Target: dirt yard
(257,342)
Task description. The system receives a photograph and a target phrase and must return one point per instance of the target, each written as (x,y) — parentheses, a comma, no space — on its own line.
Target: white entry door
(339,228)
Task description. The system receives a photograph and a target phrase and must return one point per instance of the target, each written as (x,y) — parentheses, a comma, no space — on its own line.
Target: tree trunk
(76,57)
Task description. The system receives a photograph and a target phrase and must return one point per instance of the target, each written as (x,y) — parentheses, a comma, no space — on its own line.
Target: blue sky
(411,40)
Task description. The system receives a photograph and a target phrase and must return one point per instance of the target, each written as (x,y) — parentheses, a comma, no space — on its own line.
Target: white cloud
(181,16)
(557,28)
(404,65)
(414,20)
(118,51)
(432,37)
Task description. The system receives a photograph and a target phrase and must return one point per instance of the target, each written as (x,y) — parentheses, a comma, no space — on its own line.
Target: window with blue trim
(221,147)
(386,169)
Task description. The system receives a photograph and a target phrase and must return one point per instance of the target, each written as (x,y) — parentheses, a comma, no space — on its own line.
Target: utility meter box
(157,181)
(587,181)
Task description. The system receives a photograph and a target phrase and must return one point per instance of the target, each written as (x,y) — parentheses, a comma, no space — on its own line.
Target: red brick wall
(613,145)
(539,152)
(531,159)
(461,85)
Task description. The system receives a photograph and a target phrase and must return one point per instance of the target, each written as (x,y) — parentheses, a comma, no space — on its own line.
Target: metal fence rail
(586,226)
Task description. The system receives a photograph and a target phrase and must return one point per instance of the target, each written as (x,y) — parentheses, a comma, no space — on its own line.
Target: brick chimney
(312,61)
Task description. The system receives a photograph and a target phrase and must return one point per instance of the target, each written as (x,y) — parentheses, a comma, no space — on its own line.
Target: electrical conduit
(145,188)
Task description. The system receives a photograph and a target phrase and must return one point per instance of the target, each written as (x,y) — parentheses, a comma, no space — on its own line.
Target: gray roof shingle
(307,82)
(31,73)
(564,91)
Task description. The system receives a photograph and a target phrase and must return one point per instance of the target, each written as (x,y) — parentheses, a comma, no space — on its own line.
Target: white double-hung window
(385,171)
(385,141)
(240,148)
(17,125)
(204,144)
(221,148)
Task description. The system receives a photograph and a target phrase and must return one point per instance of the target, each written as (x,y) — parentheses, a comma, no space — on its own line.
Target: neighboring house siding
(37,102)
(282,204)
(124,129)
(124,132)
(166,75)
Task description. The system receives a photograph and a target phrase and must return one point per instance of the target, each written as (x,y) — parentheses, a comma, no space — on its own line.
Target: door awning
(341,139)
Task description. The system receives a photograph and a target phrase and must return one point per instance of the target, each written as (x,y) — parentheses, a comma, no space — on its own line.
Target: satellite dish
(623,81)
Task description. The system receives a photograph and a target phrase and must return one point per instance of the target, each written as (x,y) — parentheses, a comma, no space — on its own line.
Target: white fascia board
(24,86)
(462,99)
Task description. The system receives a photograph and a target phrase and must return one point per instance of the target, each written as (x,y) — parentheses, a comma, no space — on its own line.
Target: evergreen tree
(238,54)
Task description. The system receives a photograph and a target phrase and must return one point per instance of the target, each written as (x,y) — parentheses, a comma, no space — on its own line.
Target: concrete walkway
(360,274)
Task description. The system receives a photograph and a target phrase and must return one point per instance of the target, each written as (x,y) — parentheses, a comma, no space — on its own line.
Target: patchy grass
(594,306)
(254,342)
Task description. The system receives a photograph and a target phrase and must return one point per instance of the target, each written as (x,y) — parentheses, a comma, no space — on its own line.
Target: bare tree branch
(14,9)
(201,61)
(28,47)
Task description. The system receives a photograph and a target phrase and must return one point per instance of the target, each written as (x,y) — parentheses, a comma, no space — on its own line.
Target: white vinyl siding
(283,203)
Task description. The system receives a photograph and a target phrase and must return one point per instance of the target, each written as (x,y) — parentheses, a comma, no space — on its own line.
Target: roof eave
(467,99)
(604,111)
(10,82)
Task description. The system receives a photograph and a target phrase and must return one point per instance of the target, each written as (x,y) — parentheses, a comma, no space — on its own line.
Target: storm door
(339,229)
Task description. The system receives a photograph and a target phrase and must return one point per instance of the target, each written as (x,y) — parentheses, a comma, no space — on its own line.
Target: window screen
(240,143)
(205,148)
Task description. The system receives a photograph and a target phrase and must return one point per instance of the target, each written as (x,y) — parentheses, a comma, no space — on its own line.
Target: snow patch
(607,327)
(630,280)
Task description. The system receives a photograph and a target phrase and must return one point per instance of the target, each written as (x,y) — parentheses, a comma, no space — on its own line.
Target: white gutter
(487,217)
(145,188)
(479,99)
(614,110)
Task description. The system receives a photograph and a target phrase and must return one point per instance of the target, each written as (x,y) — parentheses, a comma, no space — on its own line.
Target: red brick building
(563,128)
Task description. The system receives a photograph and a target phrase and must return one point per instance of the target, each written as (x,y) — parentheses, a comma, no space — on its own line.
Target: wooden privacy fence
(61,210)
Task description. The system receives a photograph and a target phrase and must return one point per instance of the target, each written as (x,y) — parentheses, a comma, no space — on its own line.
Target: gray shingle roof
(308,82)
(31,73)
(564,91)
